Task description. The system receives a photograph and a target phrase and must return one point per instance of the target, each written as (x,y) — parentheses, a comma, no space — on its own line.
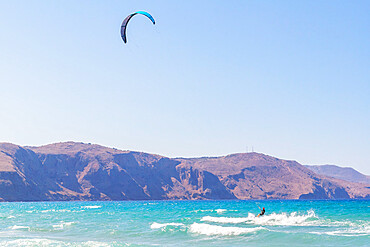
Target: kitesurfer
(262,212)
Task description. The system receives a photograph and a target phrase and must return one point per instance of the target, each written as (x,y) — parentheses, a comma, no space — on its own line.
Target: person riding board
(262,211)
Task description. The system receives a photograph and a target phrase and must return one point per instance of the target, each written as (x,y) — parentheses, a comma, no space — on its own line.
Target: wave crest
(207,229)
(93,206)
(159,225)
(15,227)
(273,219)
(62,225)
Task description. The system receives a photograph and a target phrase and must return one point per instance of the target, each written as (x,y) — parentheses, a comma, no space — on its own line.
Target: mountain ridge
(344,173)
(79,171)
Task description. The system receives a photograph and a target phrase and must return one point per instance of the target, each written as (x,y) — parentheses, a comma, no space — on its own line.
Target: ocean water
(185,223)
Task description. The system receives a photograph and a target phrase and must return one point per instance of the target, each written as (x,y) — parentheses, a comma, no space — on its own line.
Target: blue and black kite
(128,18)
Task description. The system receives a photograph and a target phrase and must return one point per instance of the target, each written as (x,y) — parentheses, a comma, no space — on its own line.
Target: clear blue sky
(290,78)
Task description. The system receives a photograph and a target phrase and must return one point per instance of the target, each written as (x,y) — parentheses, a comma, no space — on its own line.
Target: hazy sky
(290,78)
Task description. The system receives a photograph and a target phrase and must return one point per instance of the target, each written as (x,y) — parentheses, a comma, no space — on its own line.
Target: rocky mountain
(344,173)
(78,171)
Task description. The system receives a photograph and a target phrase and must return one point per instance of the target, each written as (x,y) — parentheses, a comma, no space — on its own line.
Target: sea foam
(273,219)
(159,225)
(20,227)
(359,230)
(220,211)
(207,229)
(63,224)
(94,206)
(48,242)
(31,242)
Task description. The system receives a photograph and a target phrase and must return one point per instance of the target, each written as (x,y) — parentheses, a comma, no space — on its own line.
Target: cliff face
(77,171)
(258,176)
(344,173)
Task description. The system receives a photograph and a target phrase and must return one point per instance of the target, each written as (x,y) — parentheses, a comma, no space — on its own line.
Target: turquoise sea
(185,223)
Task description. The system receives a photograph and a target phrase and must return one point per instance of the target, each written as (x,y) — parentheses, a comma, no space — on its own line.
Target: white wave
(64,210)
(97,244)
(62,225)
(220,211)
(11,217)
(30,242)
(47,242)
(159,225)
(225,219)
(15,227)
(207,229)
(212,210)
(347,223)
(95,206)
(273,219)
(201,210)
(348,232)
(48,210)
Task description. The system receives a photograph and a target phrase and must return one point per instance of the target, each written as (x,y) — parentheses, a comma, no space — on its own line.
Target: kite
(128,18)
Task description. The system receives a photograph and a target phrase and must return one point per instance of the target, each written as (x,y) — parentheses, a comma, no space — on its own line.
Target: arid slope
(78,171)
